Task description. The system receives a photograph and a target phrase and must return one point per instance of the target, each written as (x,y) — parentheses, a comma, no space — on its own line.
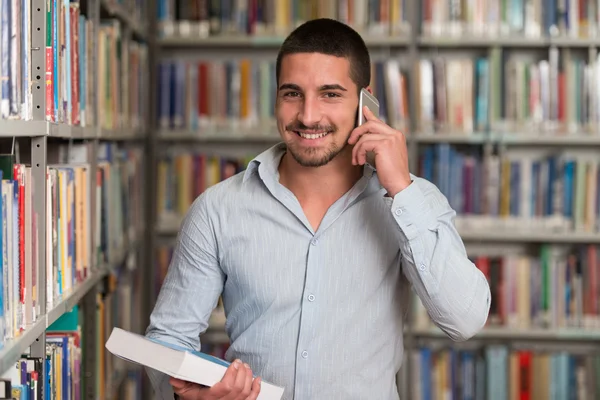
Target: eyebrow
(292,86)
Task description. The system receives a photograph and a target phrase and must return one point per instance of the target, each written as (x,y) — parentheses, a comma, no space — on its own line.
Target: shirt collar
(270,158)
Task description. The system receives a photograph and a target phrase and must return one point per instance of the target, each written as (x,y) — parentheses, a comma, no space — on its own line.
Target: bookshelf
(483,120)
(72,140)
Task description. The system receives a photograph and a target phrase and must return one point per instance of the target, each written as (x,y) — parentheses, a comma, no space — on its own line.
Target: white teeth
(312,135)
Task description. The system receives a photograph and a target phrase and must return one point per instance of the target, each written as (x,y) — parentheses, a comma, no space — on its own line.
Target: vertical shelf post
(38,163)
(37,73)
(38,184)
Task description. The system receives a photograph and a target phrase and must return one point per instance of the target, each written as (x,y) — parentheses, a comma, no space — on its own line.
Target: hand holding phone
(376,142)
(366,99)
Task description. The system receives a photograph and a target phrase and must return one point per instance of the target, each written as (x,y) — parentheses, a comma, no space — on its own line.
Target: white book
(177,362)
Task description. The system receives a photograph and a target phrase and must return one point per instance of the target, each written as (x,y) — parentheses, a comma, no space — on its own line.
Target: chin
(313,155)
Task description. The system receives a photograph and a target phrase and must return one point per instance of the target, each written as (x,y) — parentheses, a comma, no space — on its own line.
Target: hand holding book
(237,384)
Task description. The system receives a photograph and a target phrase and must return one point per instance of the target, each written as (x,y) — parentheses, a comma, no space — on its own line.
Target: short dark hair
(330,37)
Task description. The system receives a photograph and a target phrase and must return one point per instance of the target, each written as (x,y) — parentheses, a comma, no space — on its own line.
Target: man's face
(316,106)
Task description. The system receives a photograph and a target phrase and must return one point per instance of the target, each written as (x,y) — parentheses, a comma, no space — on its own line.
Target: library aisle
(500,104)
(116,114)
(72,135)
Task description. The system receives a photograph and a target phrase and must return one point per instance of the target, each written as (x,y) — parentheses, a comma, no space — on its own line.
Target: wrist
(394,190)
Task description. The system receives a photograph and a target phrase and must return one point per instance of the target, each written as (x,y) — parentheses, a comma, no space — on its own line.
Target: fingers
(255,389)
(369,126)
(243,382)
(365,144)
(248,383)
(369,114)
(225,386)
(237,383)
(180,387)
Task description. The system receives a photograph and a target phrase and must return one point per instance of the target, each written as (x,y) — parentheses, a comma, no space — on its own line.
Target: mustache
(299,126)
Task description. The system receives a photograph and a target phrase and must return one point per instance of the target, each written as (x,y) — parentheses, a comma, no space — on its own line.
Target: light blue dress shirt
(320,313)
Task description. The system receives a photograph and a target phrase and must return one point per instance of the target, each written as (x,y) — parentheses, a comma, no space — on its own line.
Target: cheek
(286,109)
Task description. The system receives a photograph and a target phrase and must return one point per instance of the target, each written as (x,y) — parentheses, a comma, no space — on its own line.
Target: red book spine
(525,375)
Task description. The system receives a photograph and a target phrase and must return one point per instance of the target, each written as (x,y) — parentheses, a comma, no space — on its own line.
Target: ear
(369,89)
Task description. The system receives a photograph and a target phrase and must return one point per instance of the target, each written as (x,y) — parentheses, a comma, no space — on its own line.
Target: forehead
(308,69)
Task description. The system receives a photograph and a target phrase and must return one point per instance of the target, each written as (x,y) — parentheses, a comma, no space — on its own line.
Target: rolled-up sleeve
(191,289)
(454,291)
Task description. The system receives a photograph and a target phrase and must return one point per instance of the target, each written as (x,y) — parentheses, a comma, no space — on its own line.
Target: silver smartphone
(366,99)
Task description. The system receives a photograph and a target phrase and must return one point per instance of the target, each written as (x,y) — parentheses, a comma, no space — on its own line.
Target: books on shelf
(556,191)
(555,94)
(555,290)
(70,52)
(492,18)
(122,88)
(277,18)
(176,361)
(204,95)
(18,264)
(498,372)
(184,175)
(15,65)
(70,252)
(120,179)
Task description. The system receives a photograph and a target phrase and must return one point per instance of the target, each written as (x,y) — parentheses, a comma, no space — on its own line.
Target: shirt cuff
(411,211)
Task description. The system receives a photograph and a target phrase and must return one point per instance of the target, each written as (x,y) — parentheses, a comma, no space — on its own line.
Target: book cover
(176,361)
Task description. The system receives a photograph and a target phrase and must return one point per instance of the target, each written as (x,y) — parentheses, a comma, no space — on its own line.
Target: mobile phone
(366,99)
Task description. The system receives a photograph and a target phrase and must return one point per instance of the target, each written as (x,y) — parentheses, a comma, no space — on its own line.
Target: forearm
(454,292)
(189,293)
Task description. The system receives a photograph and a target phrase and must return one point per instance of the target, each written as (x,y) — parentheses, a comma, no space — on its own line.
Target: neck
(322,184)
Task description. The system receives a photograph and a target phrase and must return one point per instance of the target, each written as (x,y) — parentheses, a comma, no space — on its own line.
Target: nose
(310,112)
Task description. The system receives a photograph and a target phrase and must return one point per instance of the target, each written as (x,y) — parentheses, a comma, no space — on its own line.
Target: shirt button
(399,211)
(422,267)
(311,297)
(304,354)
(314,242)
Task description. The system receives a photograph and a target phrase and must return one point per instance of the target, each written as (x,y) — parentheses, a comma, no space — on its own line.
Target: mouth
(311,135)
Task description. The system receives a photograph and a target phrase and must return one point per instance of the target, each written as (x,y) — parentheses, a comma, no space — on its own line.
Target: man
(313,249)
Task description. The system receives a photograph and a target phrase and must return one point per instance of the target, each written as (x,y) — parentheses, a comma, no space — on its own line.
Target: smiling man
(313,249)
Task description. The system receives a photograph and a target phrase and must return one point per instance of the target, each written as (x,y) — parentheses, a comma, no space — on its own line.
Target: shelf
(517,334)
(14,348)
(508,139)
(19,128)
(481,41)
(454,138)
(507,41)
(220,41)
(75,296)
(506,235)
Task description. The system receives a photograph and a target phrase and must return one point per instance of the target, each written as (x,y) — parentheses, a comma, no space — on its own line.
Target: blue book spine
(426,369)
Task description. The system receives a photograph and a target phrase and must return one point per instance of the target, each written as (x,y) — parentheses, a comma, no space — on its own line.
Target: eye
(331,95)
(291,94)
